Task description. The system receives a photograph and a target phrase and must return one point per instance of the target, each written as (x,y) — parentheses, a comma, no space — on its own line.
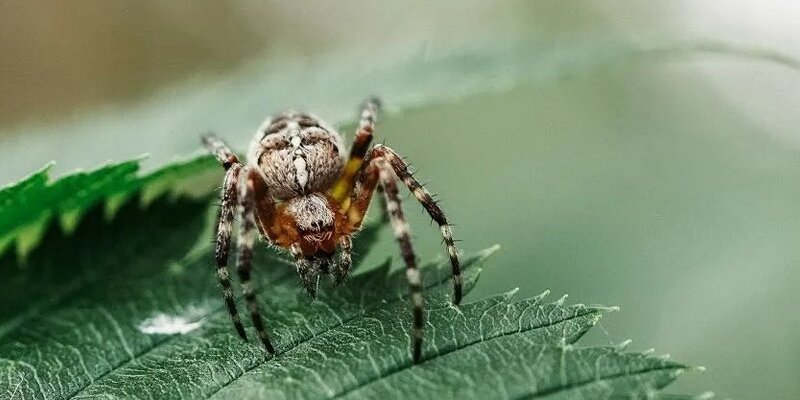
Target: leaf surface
(125,304)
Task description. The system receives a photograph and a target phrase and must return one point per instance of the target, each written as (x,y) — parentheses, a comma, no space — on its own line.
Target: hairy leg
(395,211)
(307,270)
(345,261)
(218,148)
(223,243)
(369,115)
(401,169)
(247,237)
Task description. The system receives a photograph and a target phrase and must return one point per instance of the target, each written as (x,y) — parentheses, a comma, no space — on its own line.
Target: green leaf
(27,207)
(130,308)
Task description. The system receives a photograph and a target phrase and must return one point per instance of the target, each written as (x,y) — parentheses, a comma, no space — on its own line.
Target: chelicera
(298,191)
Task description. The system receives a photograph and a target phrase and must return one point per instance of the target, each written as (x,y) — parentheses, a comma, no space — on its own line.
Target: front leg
(247,237)
(344,185)
(394,209)
(366,186)
(227,208)
(401,168)
(223,243)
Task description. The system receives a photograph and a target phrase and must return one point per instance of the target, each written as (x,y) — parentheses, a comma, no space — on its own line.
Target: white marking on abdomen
(301,172)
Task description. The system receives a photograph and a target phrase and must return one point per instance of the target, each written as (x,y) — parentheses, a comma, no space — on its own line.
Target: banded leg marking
(401,233)
(218,148)
(369,115)
(401,168)
(247,237)
(345,261)
(223,243)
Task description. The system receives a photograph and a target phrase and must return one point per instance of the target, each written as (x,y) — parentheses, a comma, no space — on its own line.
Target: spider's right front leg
(223,242)
(247,238)
(229,202)
(250,195)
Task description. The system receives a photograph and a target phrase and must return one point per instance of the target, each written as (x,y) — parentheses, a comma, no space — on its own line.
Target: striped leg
(384,204)
(401,168)
(400,226)
(308,270)
(345,261)
(247,237)
(369,114)
(362,194)
(217,147)
(223,243)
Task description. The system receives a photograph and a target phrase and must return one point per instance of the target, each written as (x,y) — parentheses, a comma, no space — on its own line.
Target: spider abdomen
(297,154)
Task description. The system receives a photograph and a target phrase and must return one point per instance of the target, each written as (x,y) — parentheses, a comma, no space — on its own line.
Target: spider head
(315,223)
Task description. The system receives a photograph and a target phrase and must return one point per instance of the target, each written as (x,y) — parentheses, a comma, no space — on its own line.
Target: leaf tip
(140,158)
(560,302)
(622,346)
(47,167)
(511,293)
(541,296)
(705,396)
(483,254)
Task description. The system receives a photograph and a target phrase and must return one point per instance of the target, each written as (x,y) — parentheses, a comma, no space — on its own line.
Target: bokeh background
(639,154)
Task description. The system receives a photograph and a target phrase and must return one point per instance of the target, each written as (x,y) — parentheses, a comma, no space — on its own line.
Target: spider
(301,194)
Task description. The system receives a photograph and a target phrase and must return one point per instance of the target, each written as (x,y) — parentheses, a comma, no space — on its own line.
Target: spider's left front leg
(380,170)
(402,170)
(394,209)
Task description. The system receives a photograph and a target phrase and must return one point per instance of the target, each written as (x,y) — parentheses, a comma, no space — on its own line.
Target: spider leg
(218,148)
(401,169)
(345,261)
(265,212)
(223,243)
(400,225)
(384,204)
(247,237)
(360,199)
(344,185)
(306,269)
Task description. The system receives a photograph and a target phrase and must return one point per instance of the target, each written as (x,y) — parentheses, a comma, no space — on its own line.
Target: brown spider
(302,195)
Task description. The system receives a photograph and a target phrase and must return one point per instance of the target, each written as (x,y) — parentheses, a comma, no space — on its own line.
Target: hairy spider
(298,190)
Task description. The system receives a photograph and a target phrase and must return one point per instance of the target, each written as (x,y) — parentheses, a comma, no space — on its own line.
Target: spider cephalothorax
(299,191)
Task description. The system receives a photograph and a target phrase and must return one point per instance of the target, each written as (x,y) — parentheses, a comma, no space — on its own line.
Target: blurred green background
(609,154)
